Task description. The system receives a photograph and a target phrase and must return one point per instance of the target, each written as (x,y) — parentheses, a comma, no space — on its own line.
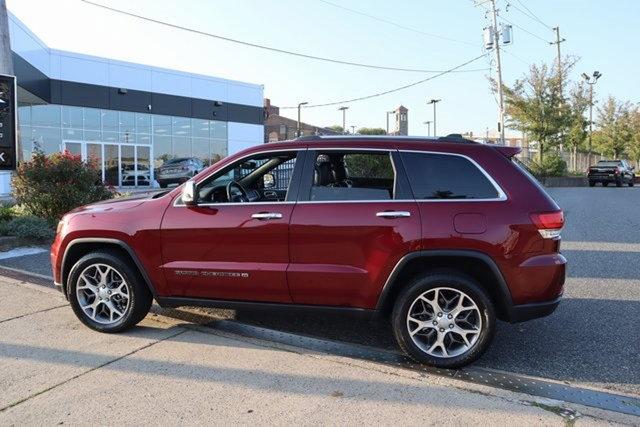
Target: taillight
(549,224)
(617,171)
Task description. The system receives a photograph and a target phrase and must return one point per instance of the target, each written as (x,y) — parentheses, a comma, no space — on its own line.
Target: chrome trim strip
(393,214)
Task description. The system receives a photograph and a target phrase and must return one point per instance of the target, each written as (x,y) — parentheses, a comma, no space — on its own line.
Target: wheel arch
(479,266)
(78,248)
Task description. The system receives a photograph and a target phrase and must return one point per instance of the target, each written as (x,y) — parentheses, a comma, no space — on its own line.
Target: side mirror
(268,180)
(190,193)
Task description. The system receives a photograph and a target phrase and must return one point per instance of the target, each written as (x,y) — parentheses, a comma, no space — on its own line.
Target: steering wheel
(239,195)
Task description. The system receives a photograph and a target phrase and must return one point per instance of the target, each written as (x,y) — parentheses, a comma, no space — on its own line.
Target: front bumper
(524,312)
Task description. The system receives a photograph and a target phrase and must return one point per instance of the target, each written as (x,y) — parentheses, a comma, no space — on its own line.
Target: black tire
(619,182)
(453,280)
(630,183)
(163,184)
(604,184)
(140,296)
(592,183)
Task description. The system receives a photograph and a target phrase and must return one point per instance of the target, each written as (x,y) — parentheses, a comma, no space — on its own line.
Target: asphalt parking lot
(593,338)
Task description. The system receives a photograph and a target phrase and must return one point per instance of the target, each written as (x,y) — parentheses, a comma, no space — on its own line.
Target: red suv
(443,235)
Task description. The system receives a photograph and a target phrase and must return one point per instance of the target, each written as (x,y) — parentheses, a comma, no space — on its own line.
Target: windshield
(174,161)
(608,163)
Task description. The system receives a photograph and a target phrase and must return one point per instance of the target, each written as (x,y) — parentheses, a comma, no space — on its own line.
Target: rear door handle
(266,215)
(393,214)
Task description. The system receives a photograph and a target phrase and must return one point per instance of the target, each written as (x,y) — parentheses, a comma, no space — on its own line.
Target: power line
(523,29)
(271,49)
(533,15)
(395,24)
(362,98)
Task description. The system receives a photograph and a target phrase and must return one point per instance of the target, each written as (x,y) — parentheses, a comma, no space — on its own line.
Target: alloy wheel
(444,322)
(103,294)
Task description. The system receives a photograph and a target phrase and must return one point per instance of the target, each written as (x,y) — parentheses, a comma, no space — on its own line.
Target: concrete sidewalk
(53,370)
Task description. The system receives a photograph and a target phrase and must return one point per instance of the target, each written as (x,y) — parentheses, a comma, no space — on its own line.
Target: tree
(336,128)
(536,106)
(577,127)
(634,143)
(615,126)
(372,131)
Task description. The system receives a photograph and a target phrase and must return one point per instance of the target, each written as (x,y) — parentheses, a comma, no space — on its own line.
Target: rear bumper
(524,312)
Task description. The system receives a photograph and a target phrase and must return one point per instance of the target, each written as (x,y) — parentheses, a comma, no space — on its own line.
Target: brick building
(279,128)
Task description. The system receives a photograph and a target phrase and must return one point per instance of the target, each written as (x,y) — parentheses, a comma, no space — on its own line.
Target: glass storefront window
(143,123)
(219,130)
(109,121)
(72,117)
(182,126)
(161,149)
(218,150)
(162,125)
(143,139)
(181,146)
(92,135)
(127,138)
(92,118)
(45,115)
(26,141)
(72,134)
(200,128)
(110,136)
(200,149)
(24,114)
(48,139)
(127,122)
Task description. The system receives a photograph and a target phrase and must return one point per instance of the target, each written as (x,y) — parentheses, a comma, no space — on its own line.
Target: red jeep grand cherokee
(444,235)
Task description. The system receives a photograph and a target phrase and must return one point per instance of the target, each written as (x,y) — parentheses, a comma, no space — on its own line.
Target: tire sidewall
(450,280)
(124,270)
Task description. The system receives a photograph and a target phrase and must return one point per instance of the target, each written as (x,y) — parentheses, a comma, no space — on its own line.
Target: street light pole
(591,81)
(298,130)
(434,102)
(428,123)
(389,112)
(344,122)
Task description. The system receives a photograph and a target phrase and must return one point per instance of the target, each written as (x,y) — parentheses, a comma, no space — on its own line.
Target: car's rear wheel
(106,293)
(631,181)
(619,182)
(592,183)
(605,183)
(444,319)
(163,185)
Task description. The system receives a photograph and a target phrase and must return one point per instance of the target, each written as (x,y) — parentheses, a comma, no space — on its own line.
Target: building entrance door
(120,165)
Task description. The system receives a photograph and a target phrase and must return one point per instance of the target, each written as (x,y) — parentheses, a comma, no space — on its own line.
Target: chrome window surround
(502,196)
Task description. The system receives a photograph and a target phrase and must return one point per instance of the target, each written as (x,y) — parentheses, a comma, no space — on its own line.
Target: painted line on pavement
(18,252)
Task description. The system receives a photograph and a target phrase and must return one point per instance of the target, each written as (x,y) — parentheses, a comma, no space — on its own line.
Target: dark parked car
(371,226)
(618,172)
(177,171)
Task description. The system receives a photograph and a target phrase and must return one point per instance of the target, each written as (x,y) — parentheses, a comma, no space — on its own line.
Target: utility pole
(591,81)
(557,43)
(428,123)
(353,129)
(298,128)
(434,102)
(496,36)
(343,109)
(389,112)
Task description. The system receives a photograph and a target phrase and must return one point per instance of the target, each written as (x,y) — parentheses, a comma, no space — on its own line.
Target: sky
(604,36)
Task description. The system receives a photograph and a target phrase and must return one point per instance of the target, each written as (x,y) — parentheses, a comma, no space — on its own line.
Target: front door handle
(266,215)
(393,214)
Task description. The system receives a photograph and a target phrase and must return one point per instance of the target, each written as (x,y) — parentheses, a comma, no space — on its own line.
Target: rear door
(354,220)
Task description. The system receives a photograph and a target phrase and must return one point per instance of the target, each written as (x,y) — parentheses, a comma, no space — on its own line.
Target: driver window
(261,178)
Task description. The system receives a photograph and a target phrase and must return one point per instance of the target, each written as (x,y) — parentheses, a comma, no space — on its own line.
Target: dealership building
(129,118)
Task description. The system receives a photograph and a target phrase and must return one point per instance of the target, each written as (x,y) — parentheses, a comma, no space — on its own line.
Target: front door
(354,220)
(234,244)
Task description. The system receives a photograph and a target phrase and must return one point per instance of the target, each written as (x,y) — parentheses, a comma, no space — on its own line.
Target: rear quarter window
(445,176)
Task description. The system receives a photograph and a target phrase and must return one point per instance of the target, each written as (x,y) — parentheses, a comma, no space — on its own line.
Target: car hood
(119,203)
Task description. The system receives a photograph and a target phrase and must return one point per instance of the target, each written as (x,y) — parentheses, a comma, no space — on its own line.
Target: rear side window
(444,176)
(352,176)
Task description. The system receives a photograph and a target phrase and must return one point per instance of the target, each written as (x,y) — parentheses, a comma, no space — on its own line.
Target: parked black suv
(615,171)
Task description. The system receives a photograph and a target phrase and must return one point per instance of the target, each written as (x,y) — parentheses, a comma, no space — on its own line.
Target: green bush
(552,165)
(30,227)
(50,186)
(6,213)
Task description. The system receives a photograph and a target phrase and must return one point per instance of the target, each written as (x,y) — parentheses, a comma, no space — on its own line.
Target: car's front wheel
(106,293)
(444,319)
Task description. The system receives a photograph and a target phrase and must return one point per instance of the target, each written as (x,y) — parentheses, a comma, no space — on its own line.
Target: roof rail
(308,138)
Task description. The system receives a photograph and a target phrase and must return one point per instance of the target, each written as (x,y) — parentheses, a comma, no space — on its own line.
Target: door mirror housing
(268,180)
(190,193)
